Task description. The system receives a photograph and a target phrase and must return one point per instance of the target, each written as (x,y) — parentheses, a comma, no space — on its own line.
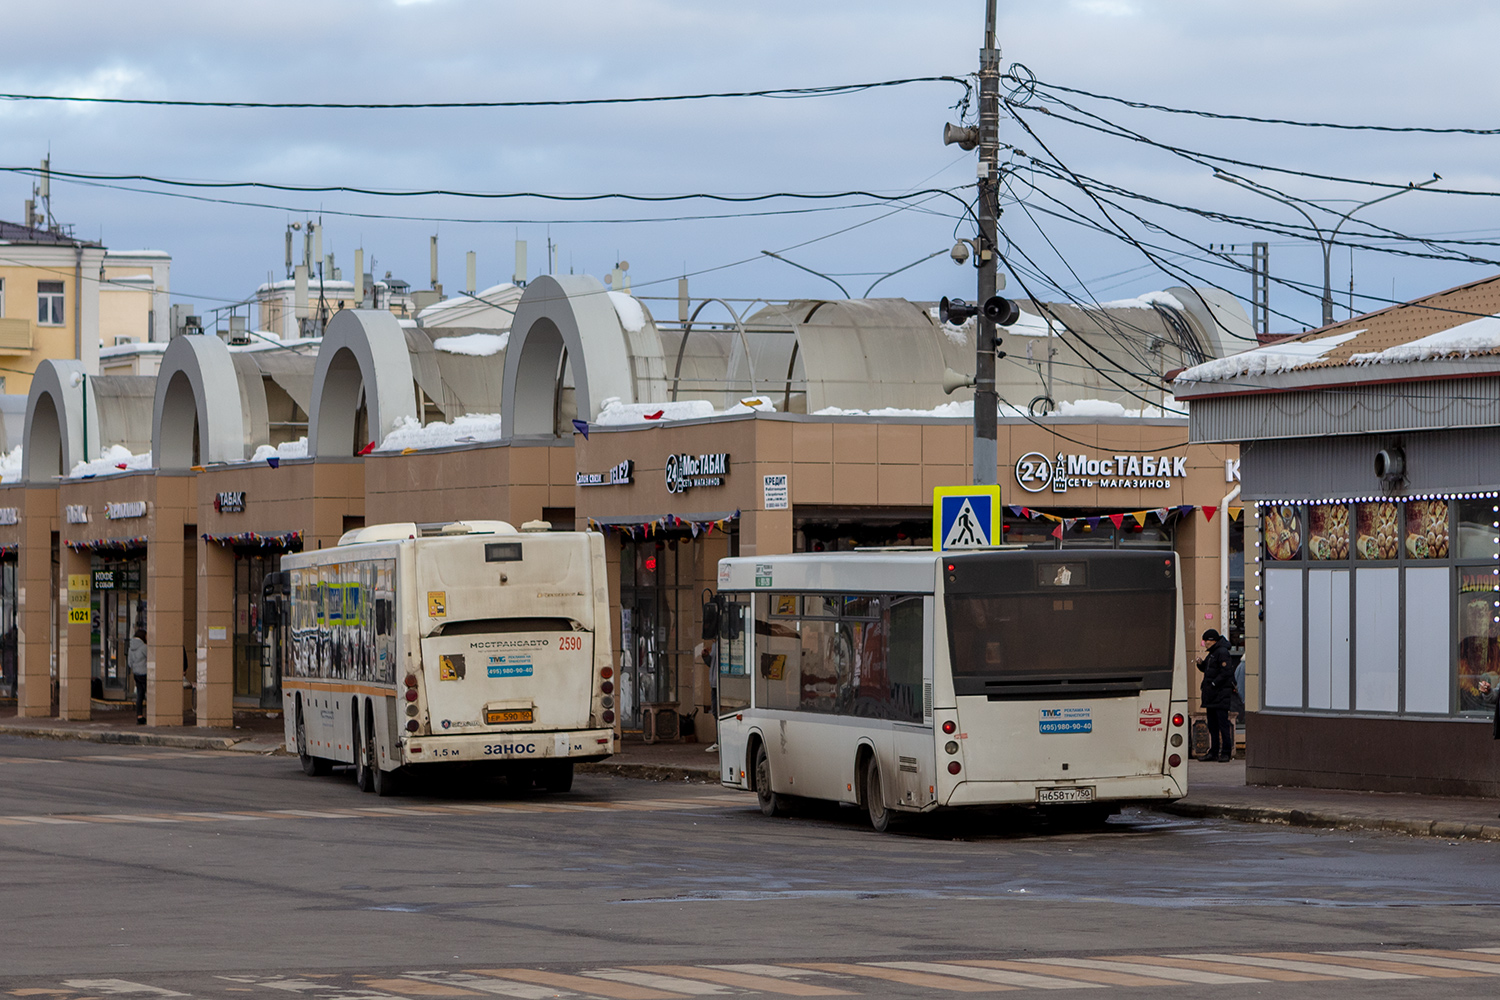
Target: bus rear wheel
(363,756)
(771,804)
(386,783)
(311,766)
(557,776)
(880,813)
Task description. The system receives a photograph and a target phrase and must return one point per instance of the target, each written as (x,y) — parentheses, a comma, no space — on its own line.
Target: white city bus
(409,647)
(906,681)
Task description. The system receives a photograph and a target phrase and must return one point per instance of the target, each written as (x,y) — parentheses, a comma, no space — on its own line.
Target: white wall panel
(1283,682)
(1377,638)
(1338,639)
(1319,639)
(1429,645)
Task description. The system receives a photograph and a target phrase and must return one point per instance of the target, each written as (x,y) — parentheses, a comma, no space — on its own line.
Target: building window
(2,298)
(49,303)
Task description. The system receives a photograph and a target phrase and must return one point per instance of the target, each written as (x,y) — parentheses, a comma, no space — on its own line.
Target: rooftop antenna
(519,278)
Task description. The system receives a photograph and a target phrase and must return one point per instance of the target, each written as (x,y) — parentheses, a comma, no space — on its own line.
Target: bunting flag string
(1209,512)
(284,541)
(666,522)
(6,551)
(109,546)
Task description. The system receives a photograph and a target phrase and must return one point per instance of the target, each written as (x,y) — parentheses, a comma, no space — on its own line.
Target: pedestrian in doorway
(1216,693)
(135,658)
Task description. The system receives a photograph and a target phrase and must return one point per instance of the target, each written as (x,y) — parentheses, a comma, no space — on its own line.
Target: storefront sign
(117,579)
(10,515)
(77,513)
(230,501)
(128,509)
(776,493)
(1036,472)
(687,471)
(620,475)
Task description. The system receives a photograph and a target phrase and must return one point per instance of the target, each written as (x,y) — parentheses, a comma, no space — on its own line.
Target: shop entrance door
(656,600)
(119,608)
(254,679)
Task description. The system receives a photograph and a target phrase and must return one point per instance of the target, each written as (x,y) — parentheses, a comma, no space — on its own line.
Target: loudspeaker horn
(955,380)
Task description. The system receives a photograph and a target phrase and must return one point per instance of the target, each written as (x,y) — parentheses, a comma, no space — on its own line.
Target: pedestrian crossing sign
(965,517)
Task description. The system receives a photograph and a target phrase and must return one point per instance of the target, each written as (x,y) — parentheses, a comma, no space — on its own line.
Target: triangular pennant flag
(582,427)
(1185,509)
(1057,532)
(274,462)
(1027,513)
(1140,516)
(1119,519)
(1093,522)
(1014,510)
(1235,512)
(366,449)
(1068,523)
(1209,512)
(1161,514)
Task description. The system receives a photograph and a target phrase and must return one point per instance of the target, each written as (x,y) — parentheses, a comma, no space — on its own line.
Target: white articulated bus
(407,647)
(906,681)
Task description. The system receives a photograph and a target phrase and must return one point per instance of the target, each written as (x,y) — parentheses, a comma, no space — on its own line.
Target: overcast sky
(1373,62)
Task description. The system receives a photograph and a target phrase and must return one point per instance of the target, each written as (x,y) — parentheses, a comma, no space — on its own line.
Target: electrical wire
(1032,81)
(776,93)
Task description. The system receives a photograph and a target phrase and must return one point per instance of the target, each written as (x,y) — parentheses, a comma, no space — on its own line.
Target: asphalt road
(155,873)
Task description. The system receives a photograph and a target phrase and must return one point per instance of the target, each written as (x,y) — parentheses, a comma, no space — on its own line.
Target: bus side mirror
(711,616)
(270,613)
(731,623)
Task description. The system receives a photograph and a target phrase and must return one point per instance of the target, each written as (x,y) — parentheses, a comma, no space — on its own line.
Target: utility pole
(986,400)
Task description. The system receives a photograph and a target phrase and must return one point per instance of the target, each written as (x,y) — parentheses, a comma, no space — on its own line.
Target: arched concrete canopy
(61,415)
(573,313)
(197,384)
(364,350)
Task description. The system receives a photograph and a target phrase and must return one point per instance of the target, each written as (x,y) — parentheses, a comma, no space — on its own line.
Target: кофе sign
(1036,472)
(687,471)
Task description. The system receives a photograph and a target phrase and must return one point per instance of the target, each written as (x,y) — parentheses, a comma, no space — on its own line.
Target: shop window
(1328,531)
(1426,529)
(1283,533)
(1478,638)
(1478,529)
(1377,534)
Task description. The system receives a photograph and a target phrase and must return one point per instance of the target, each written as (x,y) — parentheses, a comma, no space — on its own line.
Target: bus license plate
(497,716)
(1081,793)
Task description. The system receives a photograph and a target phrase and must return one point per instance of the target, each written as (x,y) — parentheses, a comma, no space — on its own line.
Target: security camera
(960,251)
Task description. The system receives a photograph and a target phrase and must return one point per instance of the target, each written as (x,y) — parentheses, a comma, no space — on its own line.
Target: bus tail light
(1177,719)
(412,725)
(954,767)
(606,672)
(949,728)
(608,717)
(411,694)
(607,687)
(411,680)
(1175,760)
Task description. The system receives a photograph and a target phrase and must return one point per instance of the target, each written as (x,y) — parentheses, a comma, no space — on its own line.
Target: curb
(135,739)
(651,772)
(1447,829)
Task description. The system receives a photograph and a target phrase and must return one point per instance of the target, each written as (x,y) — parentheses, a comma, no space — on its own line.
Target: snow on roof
(10,465)
(287,449)
(1147,301)
(313,282)
(111,462)
(1477,336)
(495,297)
(136,253)
(964,410)
(632,316)
(475,345)
(123,350)
(471,428)
(614,412)
(1279,357)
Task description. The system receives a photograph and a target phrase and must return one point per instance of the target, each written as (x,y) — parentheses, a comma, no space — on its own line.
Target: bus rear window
(1025,643)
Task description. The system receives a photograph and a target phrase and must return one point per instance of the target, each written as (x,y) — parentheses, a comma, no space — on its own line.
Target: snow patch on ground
(110,461)
(10,465)
(1474,337)
(474,345)
(632,316)
(472,428)
(1268,360)
(288,449)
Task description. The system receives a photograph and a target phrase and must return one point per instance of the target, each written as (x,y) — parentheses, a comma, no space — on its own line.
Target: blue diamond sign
(965,517)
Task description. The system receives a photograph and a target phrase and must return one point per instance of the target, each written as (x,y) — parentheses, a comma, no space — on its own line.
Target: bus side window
(732,649)
(904,659)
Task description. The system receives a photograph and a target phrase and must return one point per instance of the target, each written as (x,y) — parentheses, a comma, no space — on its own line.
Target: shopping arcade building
(189,535)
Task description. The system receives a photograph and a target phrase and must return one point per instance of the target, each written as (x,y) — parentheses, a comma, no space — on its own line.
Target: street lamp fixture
(1326,239)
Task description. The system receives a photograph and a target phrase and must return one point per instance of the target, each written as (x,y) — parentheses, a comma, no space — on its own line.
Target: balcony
(15,335)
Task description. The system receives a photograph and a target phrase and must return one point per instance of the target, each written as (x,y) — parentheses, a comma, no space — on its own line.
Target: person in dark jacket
(1216,693)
